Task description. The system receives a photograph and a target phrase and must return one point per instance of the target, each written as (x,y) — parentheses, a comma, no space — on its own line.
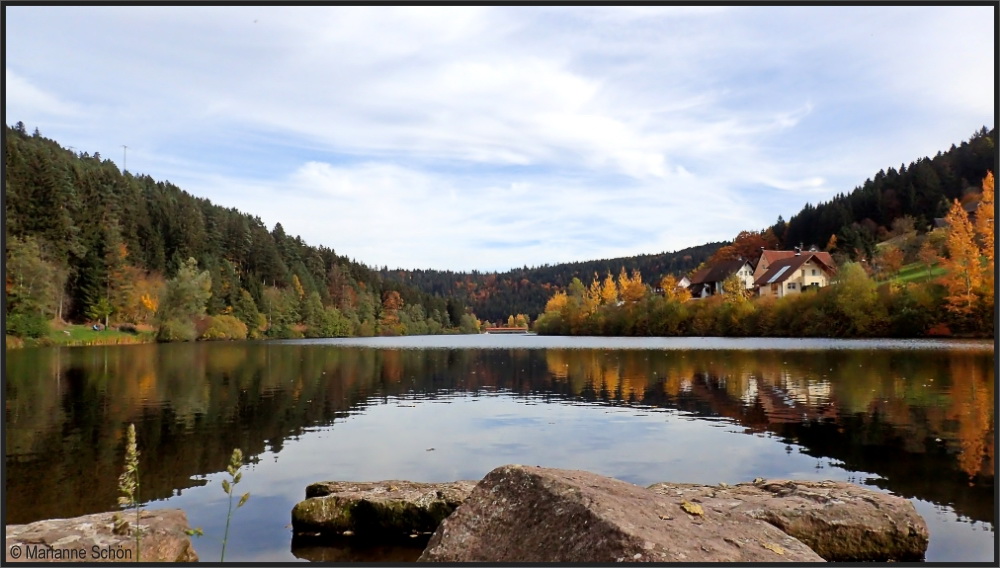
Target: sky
(494,138)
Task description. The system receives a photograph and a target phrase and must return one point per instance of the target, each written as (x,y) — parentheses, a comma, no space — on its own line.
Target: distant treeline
(496,296)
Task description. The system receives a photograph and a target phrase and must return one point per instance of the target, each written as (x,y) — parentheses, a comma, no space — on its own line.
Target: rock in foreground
(91,538)
(531,514)
(382,510)
(840,521)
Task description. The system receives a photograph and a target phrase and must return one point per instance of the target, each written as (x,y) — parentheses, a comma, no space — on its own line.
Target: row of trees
(495,296)
(87,242)
(854,305)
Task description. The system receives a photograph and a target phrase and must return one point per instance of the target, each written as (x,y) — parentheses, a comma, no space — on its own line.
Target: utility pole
(124,158)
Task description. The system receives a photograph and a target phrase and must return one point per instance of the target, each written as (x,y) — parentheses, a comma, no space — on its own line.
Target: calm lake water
(913,418)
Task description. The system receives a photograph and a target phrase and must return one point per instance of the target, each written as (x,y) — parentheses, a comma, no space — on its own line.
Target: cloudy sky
(491,138)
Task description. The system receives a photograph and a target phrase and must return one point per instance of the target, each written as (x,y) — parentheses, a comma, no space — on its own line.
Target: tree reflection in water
(921,420)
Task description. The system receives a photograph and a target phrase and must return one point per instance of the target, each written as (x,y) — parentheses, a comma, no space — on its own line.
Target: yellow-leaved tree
(985,227)
(964,276)
(672,290)
(986,231)
(631,288)
(556,303)
(609,290)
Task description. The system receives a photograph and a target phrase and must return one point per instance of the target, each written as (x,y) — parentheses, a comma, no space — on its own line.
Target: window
(791,285)
(814,272)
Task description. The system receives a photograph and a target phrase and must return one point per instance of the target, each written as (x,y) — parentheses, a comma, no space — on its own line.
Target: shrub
(27,324)
(128,328)
(224,327)
(176,330)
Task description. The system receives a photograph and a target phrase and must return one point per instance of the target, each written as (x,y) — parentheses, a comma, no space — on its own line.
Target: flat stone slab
(380,510)
(842,522)
(532,514)
(91,538)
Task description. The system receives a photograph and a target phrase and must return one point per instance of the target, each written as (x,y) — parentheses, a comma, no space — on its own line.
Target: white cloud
(20,92)
(411,136)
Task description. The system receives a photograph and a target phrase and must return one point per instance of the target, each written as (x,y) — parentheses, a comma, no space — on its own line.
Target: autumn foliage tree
(985,228)
(888,260)
(672,289)
(986,232)
(964,271)
(746,245)
(631,287)
(609,291)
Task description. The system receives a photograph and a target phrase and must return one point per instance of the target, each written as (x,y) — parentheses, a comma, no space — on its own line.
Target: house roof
(781,269)
(717,272)
(775,255)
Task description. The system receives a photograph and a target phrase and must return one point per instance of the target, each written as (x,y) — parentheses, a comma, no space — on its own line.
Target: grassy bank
(72,335)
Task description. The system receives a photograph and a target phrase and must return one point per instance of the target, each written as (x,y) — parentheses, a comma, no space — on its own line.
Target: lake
(913,418)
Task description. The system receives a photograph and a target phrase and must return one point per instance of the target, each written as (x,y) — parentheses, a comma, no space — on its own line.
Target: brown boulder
(92,538)
(382,509)
(842,522)
(531,514)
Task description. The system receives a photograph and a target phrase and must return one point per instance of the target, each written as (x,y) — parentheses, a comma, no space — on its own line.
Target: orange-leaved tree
(964,275)
(928,255)
(985,228)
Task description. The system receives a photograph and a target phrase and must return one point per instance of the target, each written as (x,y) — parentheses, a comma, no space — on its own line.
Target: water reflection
(918,423)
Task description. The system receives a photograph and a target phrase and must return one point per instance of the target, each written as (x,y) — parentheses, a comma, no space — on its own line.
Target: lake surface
(913,418)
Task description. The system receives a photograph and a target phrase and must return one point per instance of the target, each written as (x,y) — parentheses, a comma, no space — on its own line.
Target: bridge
(505,329)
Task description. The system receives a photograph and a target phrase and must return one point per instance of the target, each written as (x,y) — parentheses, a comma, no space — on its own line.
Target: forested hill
(86,241)
(924,190)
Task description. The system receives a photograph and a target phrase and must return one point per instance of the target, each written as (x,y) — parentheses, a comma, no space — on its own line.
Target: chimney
(798,251)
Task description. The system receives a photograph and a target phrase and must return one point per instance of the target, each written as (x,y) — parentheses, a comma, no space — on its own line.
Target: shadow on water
(920,423)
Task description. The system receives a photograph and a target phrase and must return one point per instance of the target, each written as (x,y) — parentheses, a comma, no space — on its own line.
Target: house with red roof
(767,257)
(791,273)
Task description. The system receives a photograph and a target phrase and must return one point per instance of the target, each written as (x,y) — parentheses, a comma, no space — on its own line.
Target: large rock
(92,538)
(531,514)
(842,522)
(377,510)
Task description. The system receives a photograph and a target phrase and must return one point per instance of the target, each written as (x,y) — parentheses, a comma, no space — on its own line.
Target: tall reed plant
(128,486)
(229,486)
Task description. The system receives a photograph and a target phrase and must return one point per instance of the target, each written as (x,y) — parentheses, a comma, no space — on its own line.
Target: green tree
(857,311)
(33,283)
(468,324)
(313,315)
(184,299)
(246,311)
